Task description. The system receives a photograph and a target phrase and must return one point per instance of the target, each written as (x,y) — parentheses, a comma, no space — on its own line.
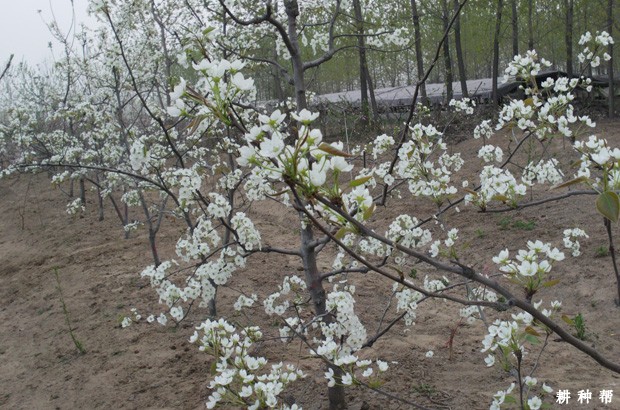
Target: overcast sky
(23,31)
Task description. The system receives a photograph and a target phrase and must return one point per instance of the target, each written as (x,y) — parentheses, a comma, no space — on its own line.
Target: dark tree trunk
(568,37)
(495,68)
(82,192)
(530,24)
(361,49)
(419,57)
(460,59)
(447,60)
(99,198)
(292,12)
(337,397)
(317,292)
(515,28)
(371,93)
(277,75)
(610,69)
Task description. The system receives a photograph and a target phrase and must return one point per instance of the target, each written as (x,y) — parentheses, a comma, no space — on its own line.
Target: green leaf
(531,331)
(509,399)
(369,211)
(341,232)
(568,320)
(359,181)
(532,339)
(502,198)
(193,125)
(330,149)
(514,280)
(470,191)
(550,283)
(608,205)
(571,182)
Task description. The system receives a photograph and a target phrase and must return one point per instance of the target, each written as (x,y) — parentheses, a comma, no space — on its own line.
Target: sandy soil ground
(150,366)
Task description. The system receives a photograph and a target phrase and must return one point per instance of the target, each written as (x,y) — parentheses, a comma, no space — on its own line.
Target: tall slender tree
(610,63)
(447,59)
(568,36)
(530,24)
(496,38)
(460,59)
(366,88)
(515,27)
(419,57)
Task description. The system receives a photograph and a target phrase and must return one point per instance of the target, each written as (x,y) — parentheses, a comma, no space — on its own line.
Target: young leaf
(510,400)
(341,232)
(532,339)
(470,191)
(531,331)
(330,149)
(369,211)
(550,283)
(571,182)
(608,205)
(359,181)
(568,320)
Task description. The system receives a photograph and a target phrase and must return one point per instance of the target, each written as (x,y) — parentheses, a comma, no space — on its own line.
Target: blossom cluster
(407,300)
(571,242)
(543,172)
(465,105)
(404,230)
(602,39)
(496,184)
(242,379)
(471,313)
(529,269)
(426,177)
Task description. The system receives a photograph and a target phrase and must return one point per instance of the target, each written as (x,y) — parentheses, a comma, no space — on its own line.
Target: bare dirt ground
(150,366)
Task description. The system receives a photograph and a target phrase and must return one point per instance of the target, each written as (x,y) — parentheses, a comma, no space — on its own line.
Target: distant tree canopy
(546,30)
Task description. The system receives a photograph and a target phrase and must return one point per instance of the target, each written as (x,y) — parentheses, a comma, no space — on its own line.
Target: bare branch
(8,65)
(542,201)
(330,43)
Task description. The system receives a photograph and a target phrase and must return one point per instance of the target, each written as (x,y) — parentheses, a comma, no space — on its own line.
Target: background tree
(496,41)
(460,59)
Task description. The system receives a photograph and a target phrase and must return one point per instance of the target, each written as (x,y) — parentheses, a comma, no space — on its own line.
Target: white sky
(23,31)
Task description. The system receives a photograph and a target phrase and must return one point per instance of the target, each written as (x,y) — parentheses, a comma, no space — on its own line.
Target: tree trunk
(418,49)
(460,60)
(99,198)
(82,192)
(530,25)
(610,69)
(277,75)
(568,37)
(315,286)
(292,12)
(371,93)
(515,28)
(361,48)
(447,60)
(152,230)
(337,398)
(495,69)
